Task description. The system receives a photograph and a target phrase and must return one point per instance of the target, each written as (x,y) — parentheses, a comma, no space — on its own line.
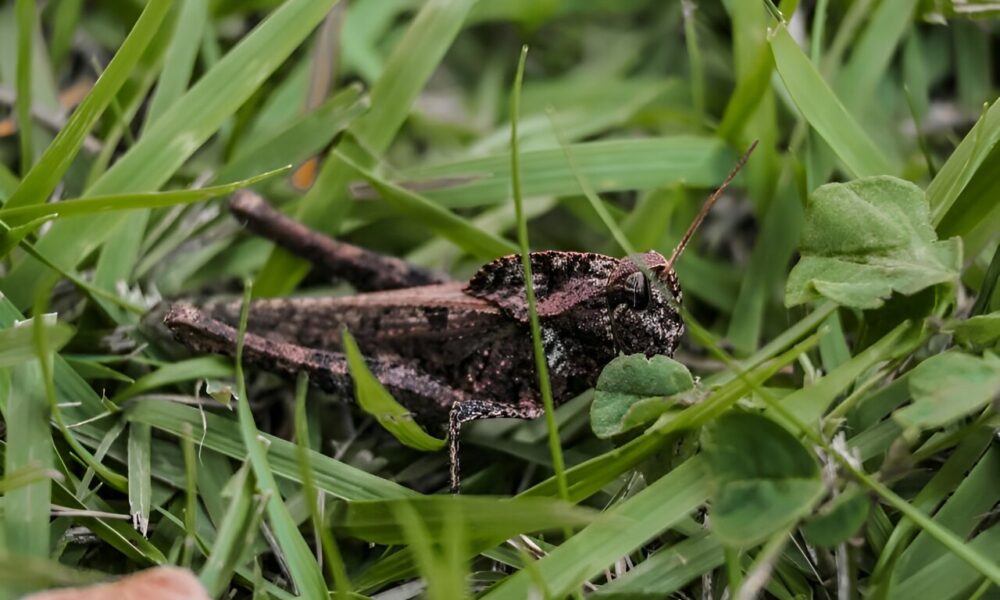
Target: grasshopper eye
(637,290)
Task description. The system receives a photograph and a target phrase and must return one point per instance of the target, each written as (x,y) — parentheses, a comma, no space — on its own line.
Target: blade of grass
(304,571)
(170,141)
(223,435)
(541,364)
(442,221)
(178,64)
(411,64)
(191,500)
(236,533)
(140,484)
(331,551)
(26,17)
(624,528)
(39,183)
(79,207)
(824,112)
(203,367)
(612,165)
(29,445)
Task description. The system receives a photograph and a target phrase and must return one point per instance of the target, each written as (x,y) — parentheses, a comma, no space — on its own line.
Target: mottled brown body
(450,352)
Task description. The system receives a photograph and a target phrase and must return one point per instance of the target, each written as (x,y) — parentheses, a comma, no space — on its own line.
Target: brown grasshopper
(451,352)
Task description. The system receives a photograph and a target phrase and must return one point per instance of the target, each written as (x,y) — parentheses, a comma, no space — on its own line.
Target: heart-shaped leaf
(764,479)
(949,386)
(634,390)
(864,240)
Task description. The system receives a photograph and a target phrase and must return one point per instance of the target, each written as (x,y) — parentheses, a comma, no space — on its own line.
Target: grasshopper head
(643,294)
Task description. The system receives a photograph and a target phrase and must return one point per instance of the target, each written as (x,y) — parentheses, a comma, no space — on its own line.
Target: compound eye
(637,290)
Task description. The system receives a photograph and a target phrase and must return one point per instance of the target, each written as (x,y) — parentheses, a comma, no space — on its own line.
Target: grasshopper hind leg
(367,271)
(473,410)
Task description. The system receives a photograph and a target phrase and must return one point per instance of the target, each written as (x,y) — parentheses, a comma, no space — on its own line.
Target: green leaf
(764,478)
(865,239)
(948,387)
(979,331)
(838,521)
(487,519)
(374,399)
(634,390)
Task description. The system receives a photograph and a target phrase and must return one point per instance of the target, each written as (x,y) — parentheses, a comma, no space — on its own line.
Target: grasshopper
(450,352)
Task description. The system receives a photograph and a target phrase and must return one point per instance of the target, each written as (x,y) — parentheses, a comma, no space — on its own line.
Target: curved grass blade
(44,176)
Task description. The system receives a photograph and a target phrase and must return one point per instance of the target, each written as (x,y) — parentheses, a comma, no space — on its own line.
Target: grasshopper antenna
(708,206)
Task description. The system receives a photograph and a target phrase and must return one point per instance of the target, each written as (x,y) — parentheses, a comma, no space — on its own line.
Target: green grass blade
(25,40)
(140,484)
(29,445)
(372,396)
(205,367)
(610,165)
(624,528)
(541,363)
(824,112)
(223,435)
(44,176)
(117,202)
(178,64)
(179,133)
(411,64)
(301,563)
(331,551)
(440,220)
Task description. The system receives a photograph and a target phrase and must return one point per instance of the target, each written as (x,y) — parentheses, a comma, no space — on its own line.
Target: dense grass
(840,438)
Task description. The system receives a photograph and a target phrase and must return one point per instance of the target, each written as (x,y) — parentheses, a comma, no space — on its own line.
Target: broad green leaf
(823,111)
(839,520)
(634,390)
(378,402)
(764,479)
(979,331)
(866,239)
(948,387)
(17,343)
(486,518)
